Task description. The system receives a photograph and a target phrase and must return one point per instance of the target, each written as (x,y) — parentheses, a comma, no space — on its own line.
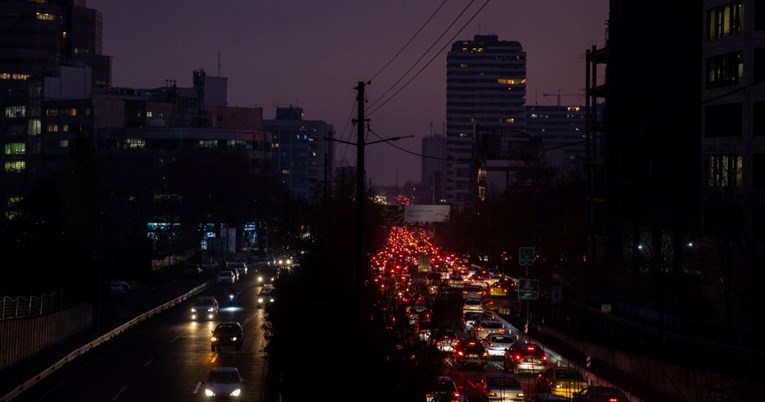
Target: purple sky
(311,54)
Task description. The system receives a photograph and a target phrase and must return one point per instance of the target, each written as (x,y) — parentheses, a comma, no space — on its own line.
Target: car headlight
(193,310)
(214,339)
(260,300)
(209,392)
(236,392)
(210,309)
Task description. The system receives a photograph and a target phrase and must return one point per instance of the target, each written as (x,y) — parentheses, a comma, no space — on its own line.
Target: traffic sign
(525,255)
(528,289)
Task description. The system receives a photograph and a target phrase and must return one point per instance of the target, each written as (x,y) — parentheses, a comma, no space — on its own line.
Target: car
(225,277)
(469,352)
(473,304)
(118,287)
(266,275)
(230,333)
(497,343)
(470,318)
(473,291)
(418,314)
(563,381)
(525,357)
(204,308)
(482,328)
(223,383)
(444,389)
(500,387)
(239,266)
(446,341)
(266,296)
(599,394)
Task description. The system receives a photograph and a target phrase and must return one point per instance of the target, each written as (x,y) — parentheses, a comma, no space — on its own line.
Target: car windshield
(500,339)
(227,377)
(444,386)
(227,327)
(491,324)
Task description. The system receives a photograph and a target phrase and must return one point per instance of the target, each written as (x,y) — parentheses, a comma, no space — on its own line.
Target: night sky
(311,54)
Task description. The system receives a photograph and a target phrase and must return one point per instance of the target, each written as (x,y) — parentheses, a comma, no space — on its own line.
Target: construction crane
(559,94)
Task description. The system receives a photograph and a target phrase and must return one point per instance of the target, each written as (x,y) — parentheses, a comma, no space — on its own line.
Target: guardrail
(101,340)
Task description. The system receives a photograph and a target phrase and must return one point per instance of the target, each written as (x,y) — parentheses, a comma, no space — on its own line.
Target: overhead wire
(408,42)
(372,106)
(424,53)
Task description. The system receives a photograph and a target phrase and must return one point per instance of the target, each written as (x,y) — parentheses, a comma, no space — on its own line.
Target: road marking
(149,362)
(124,387)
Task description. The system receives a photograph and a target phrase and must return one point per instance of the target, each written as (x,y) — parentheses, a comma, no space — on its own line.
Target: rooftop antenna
(218,62)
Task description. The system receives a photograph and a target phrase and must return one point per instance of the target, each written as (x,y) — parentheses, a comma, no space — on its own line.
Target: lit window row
(14,76)
(136,143)
(15,111)
(725,171)
(45,16)
(14,166)
(725,20)
(15,148)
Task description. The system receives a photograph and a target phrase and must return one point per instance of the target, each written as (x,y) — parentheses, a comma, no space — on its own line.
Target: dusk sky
(312,54)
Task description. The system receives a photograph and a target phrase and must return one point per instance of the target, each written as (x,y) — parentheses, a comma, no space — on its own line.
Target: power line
(408,42)
(427,64)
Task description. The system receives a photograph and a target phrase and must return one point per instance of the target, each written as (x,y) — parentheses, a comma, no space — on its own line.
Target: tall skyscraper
(485,97)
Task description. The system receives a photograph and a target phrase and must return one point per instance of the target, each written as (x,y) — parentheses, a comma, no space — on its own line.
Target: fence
(30,307)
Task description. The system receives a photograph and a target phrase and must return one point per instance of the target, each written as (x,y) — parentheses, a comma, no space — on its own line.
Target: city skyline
(312,56)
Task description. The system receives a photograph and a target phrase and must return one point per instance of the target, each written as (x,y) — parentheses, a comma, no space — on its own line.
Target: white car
(266,296)
(226,277)
(497,343)
(204,308)
(483,327)
(224,382)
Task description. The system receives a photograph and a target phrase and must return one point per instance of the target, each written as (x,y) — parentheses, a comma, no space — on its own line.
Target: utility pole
(360,193)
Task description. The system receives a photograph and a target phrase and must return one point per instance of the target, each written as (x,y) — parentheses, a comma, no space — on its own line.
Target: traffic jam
(456,308)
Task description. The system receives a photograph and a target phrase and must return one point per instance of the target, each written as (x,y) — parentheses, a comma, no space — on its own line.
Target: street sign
(528,289)
(525,255)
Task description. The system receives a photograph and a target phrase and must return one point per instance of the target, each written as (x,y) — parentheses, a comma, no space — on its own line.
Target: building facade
(303,151)
(485,97)
(434,167)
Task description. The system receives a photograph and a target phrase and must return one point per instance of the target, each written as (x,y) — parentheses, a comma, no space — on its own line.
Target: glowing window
(15,148)
(63,144)
(15,111)
(136,143)
(45,17)
(725,170)
(34,127)
(14,166)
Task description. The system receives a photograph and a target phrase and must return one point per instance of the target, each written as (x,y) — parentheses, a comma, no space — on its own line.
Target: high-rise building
(50,52)
(561,132)
(302,151)
(485,97)
(434,167)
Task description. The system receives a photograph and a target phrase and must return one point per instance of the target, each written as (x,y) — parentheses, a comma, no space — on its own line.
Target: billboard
(426,213)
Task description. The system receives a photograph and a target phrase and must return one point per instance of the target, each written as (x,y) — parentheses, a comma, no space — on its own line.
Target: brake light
(516,357)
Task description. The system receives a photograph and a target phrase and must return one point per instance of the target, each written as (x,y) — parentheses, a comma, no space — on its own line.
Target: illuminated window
(51,128)
(725,20)
(45,17)
(725,171)
(72,111)
(15,111)
(63,34)
(34,127)
(725,70)
(136,143)
(285,171)
(148,114)
(14,166)
(65,128)
(15,148)
(51,112)
(63,143)
(210,144)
